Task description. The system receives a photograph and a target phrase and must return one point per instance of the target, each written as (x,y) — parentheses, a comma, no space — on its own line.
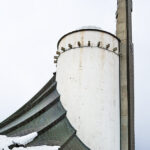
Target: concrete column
(124,32)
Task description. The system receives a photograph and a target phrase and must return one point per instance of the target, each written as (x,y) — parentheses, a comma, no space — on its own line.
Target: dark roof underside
(44,114)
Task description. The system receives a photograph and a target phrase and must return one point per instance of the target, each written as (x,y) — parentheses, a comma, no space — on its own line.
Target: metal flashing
(80,30)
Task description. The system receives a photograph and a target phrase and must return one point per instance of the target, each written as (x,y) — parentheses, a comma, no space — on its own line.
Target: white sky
(29,31)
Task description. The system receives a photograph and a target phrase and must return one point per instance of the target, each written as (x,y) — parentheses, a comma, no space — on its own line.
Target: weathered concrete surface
(88,82)
(124,32)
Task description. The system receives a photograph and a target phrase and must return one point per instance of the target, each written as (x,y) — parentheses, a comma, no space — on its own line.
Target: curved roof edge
(86,29)
(30,103)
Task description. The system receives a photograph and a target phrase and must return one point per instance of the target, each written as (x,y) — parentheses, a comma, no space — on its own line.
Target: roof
(87,28)
(45,115)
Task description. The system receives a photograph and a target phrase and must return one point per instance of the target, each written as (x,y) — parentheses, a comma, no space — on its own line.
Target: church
(89,101)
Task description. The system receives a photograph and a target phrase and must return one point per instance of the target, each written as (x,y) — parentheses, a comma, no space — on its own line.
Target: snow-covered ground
(5,142)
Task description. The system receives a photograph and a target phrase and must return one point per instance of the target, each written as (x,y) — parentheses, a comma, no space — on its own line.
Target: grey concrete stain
(124,32)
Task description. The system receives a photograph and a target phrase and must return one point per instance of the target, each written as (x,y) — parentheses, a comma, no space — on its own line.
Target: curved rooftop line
(45,115)
(87,29)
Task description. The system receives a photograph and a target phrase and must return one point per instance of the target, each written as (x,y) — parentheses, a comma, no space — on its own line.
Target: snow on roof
(5,142)
(39,148)
(25,139)
(89,27)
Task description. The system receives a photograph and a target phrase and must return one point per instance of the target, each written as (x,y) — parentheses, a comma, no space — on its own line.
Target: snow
(25,139)
(5,141)
(39,148)
(89,27)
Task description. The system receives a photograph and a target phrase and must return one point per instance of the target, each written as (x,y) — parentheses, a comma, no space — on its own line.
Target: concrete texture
(45,115)
(124,32)
(88,82)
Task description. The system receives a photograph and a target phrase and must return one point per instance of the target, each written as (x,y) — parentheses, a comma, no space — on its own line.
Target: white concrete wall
(88,82)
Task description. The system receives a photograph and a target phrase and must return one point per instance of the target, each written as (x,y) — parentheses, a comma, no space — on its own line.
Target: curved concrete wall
(88,82)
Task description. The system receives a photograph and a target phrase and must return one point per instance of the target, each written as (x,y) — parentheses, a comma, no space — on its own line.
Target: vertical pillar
(124,32)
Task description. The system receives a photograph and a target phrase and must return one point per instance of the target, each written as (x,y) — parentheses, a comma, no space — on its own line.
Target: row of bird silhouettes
(79,45)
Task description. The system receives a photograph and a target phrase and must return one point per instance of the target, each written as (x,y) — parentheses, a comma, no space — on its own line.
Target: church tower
(88,104)
(88,81)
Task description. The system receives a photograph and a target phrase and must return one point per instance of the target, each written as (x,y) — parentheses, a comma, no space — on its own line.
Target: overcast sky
(29,31)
